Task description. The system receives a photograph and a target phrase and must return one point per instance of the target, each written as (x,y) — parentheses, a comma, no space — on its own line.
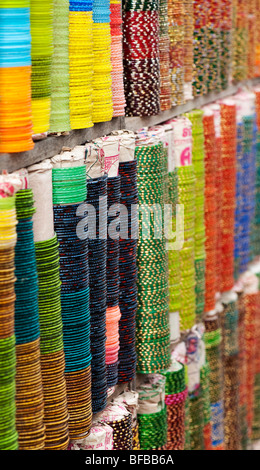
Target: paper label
(182,142)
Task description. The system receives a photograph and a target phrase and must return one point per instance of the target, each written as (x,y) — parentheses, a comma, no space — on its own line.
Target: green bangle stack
(151,414)
(186,187)
(8,237)
(175,380)
(152,320)
(204,382)
(69,185)
(8,433)
(51,345)
(199,249)
(196,421)
(153,430)
(24,204)
(187,443)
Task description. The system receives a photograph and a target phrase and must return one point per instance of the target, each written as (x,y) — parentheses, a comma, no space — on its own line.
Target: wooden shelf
(53,144)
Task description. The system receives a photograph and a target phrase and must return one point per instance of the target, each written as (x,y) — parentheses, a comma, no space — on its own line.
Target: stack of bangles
(175,396)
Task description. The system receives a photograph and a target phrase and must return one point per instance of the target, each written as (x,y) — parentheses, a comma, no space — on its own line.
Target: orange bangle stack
(228,149)
(210,210)
(15,78)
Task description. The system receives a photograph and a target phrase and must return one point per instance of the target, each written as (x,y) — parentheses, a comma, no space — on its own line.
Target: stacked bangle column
(188,49)
(113,280)
(194,344)
(42,49)
(230,358)
(164,43)
(69,194)
(256,231)
(97,252)
(141,57)
(239,184)
(213,354)
(151,414)
(81,62)
(128,271)
(187,416)
(200,48)
(218,182)
(186,189)
(210,210)
(246,168)
(205,383)
(257,44)
(8,433)
(49,304)
(198,156)
(196,424)
(251,38)
(240,44)
(15,77)
(242,372)
(152,321)
(176,14)
(60,92)
(228,152)
(29,389)
(256,412)
(226,9)
(213,45)
(175,396)
(251,310)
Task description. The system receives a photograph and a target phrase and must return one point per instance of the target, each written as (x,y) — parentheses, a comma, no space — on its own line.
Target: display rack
(53,144)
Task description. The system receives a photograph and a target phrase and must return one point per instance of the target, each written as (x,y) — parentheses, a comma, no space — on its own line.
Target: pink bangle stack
(112,343)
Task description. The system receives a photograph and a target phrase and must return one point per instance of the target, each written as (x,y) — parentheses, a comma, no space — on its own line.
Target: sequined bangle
(152,429)
(176,34)
(175,381)
(213,45)
(152,322)
(200,46)
(228,150)
(164,51)
(242,373)
(210,210)
(196,421)
(226,42)
(176,420)
(198,156)
(141,57)
(186,186)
